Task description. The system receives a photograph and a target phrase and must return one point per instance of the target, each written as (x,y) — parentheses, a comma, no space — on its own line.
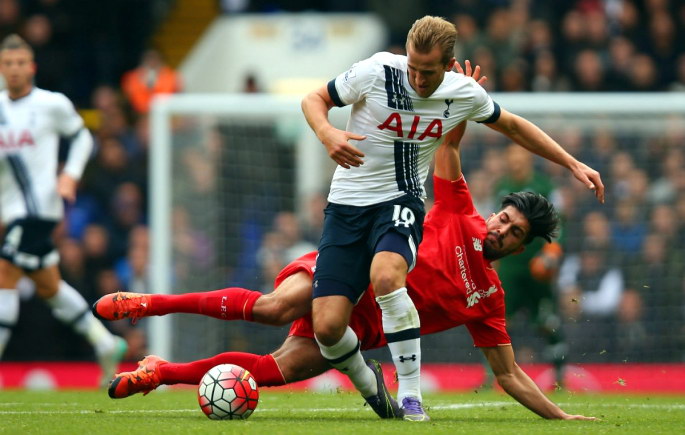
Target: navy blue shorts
(28,244)
(352,235)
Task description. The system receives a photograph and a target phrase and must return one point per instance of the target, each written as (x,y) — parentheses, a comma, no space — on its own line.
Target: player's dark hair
(15,42)
(542,217)
(427,32)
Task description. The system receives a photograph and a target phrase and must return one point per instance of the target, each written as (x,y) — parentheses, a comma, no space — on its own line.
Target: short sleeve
(453,195)
(484,109)
(68,121)
(353,85)
(489,332)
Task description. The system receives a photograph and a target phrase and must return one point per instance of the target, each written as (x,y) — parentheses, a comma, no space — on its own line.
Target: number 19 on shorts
(403,216)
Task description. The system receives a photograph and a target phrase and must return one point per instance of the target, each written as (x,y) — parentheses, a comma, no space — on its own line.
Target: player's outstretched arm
(531,137)
(315,107)
(521,387)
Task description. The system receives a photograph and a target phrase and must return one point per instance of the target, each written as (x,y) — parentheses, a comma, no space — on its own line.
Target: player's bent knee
(329,334)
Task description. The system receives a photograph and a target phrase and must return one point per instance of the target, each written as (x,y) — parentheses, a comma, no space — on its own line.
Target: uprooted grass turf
(279,412)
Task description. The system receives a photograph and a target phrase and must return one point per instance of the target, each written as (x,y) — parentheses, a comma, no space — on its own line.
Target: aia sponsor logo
(394,123)
(14,140)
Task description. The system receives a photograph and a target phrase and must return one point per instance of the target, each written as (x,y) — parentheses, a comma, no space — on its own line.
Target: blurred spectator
(73,266)
(126,212)
(546,77)
(469,36)
(621,52)
(312,226)
(481,186)
(10,17)
(590,292)
(51,58)
(628,230)
(251,86)
(652,304)
(281,246)
(150,78)
(643,76)
(589,72)
(679,83)
(111,168)
(98,255)
(663,189)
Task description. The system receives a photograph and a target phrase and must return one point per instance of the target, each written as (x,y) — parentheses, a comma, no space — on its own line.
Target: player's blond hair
(15,42)
(429,31)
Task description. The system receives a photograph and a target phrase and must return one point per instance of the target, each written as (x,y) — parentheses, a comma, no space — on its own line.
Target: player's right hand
(340,150)
(474,74)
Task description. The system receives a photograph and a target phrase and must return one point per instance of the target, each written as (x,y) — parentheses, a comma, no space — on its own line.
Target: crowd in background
(626,256)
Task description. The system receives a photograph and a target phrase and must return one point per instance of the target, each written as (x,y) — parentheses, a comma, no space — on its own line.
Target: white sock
(9,314)
(346,357)
(69,307)
(401,326)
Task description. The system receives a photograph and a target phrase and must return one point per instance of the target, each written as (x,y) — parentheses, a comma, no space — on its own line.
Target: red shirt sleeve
(453,196)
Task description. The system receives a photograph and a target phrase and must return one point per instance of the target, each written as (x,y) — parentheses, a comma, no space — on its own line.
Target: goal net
(238,183)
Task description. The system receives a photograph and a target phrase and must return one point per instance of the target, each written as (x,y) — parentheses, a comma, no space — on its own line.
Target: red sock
(227,304)
(263,368)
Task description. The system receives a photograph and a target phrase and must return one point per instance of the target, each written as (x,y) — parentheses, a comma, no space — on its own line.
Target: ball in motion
(228,392)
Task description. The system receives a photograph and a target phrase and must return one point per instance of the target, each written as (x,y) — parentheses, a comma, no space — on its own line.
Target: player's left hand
(66,187)
(473,73)
(590,178)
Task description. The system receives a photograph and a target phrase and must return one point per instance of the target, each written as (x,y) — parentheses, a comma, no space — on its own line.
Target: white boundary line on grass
(282,410)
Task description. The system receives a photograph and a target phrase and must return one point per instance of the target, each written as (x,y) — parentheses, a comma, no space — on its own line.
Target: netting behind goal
(239,182)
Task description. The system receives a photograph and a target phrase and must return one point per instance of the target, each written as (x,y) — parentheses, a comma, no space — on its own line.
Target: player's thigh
(9,274)
(299,358)
(46,280)
(344,258)
(291,300)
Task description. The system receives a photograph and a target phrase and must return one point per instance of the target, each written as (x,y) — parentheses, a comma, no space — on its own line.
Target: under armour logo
(411,358)
(446,113)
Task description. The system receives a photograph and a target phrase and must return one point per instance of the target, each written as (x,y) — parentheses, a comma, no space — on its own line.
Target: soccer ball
(228,392)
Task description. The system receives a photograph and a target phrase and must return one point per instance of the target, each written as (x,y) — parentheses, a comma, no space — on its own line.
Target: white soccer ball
(228,392)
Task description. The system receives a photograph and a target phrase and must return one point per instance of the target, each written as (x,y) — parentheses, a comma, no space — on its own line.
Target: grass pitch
(279,412)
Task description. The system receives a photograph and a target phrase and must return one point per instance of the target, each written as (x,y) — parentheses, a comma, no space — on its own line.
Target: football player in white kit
(402,106)
(31,122)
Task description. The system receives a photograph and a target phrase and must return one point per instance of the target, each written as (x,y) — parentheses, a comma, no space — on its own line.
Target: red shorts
(437,314)
(366,316)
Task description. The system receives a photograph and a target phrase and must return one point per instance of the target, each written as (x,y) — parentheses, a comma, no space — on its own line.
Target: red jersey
(451,285)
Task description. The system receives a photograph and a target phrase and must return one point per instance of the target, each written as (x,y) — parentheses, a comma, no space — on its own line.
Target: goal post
(223,165)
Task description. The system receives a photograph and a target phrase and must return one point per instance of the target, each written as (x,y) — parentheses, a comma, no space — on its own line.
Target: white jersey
(30,128)
(402,129)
